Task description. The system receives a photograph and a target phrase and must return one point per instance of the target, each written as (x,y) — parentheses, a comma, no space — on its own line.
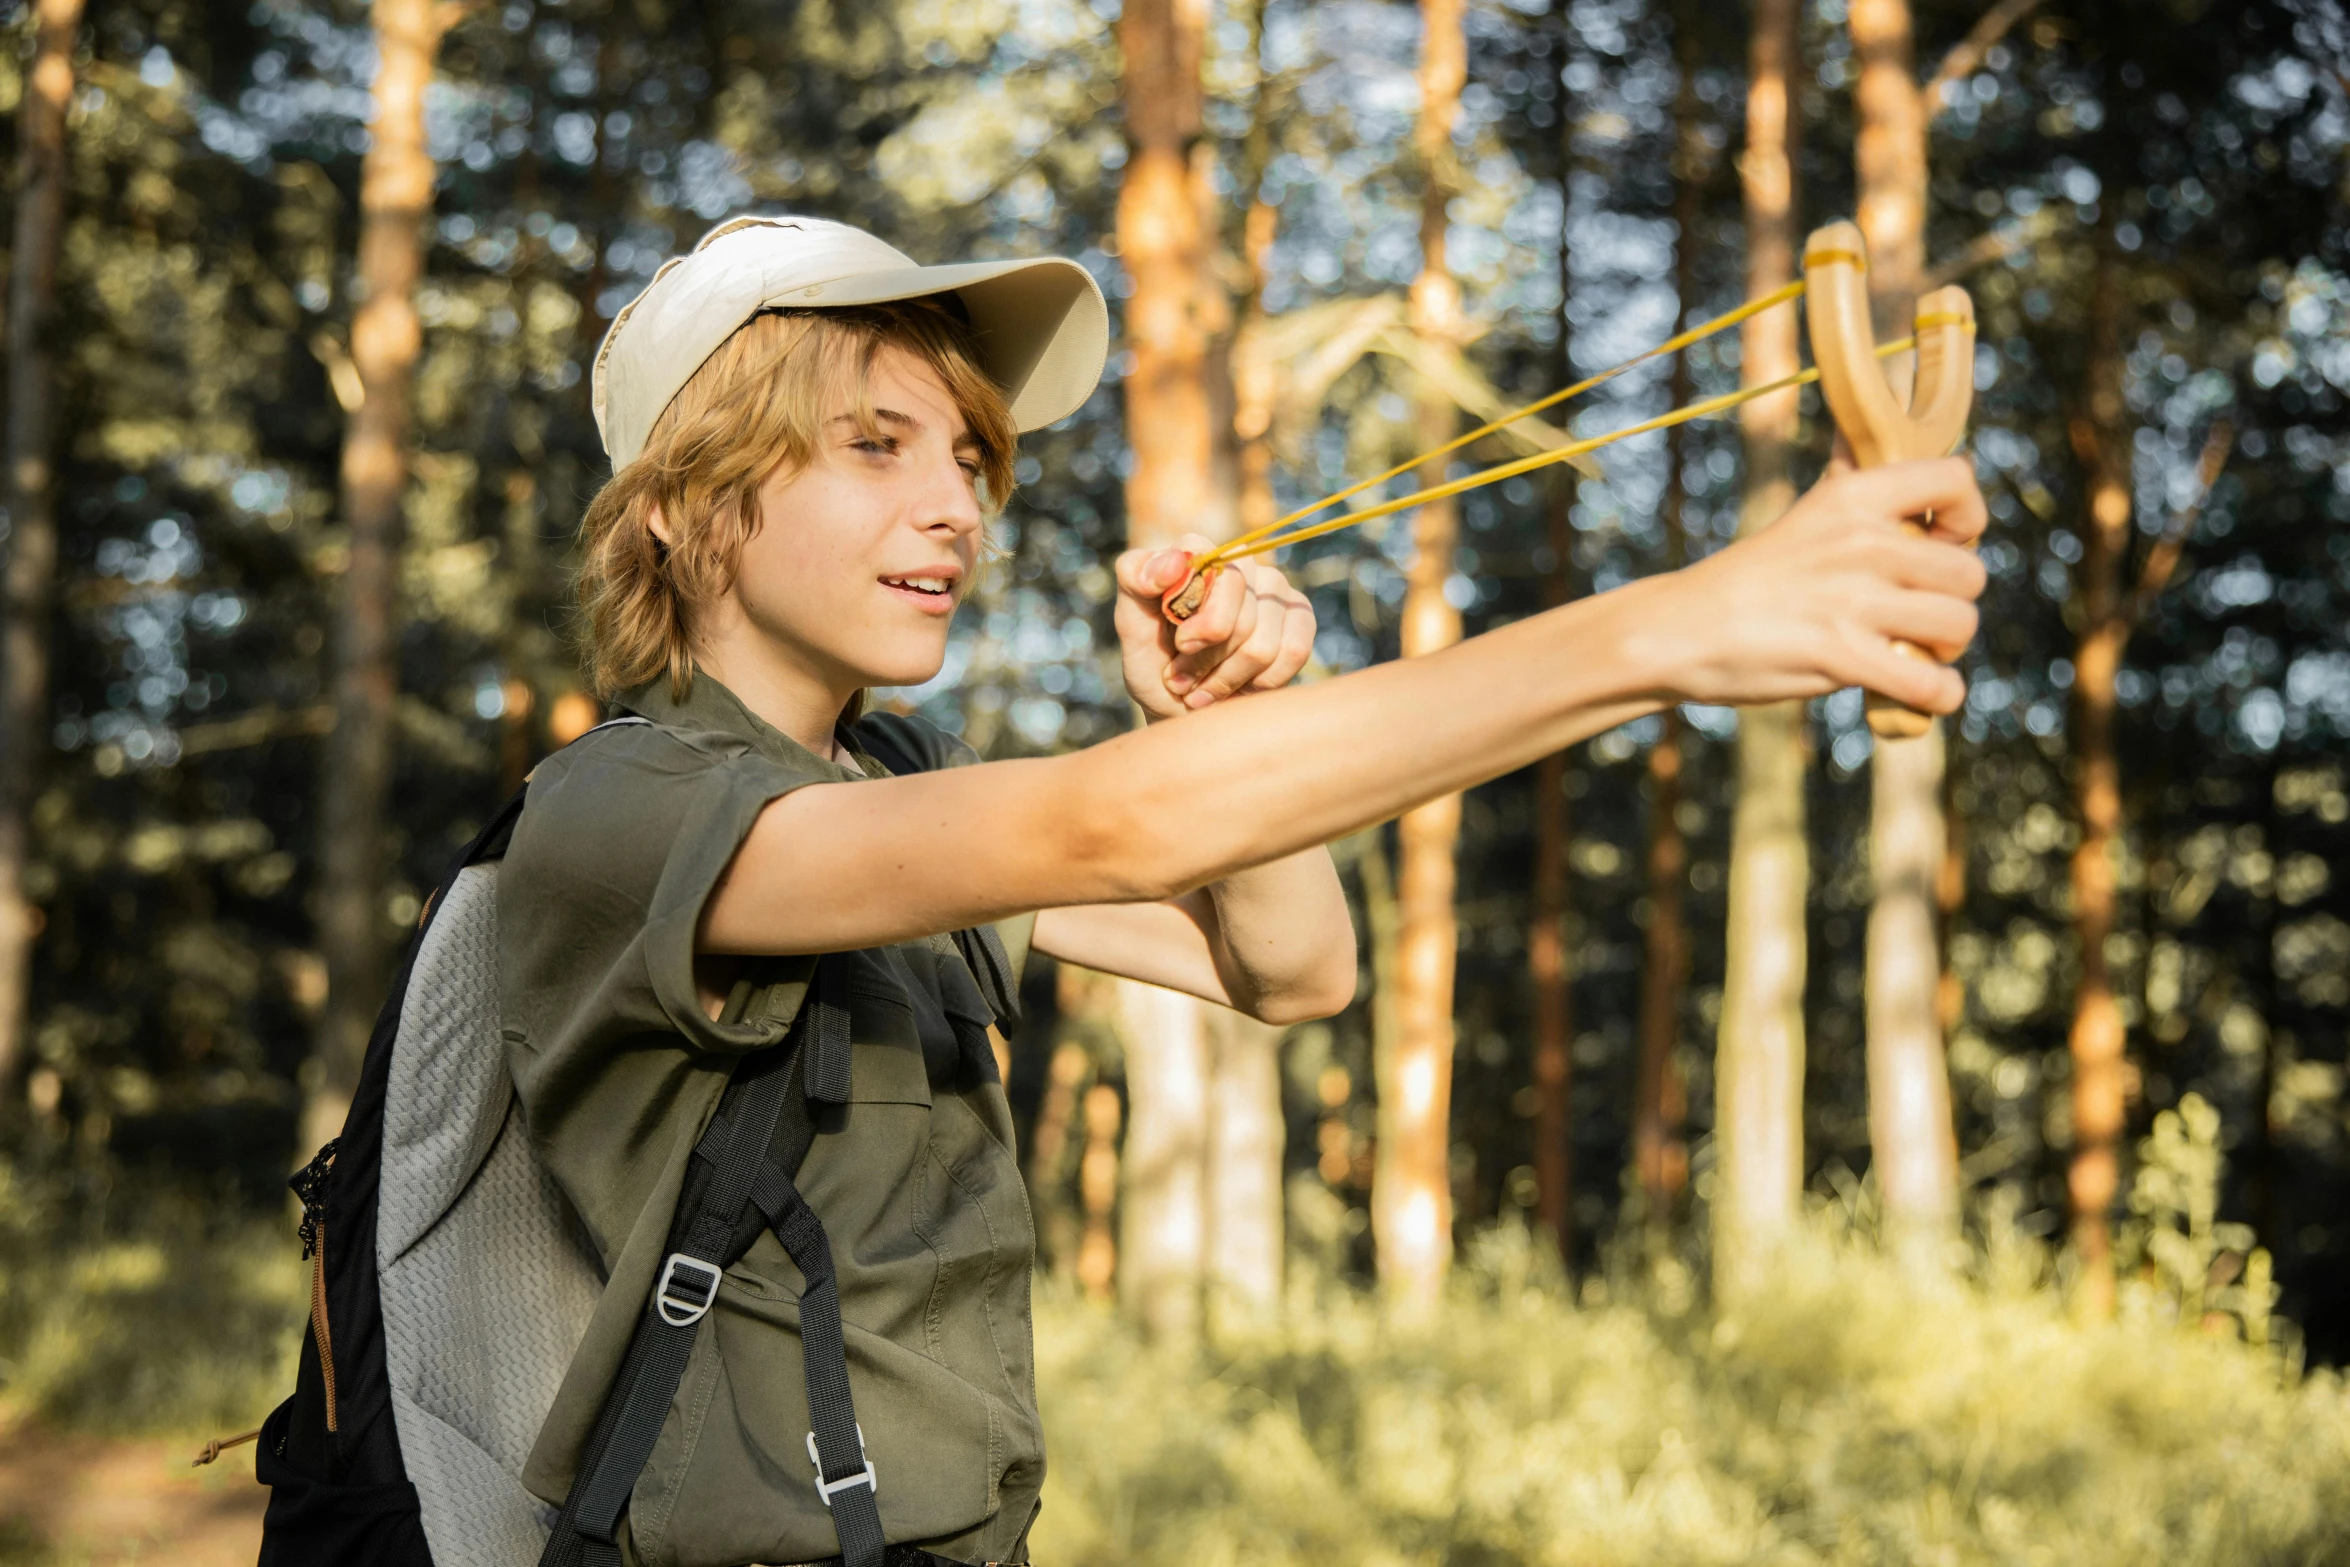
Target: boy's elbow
(1327,992)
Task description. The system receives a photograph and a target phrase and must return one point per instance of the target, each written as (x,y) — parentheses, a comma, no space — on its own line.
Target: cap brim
(1042,326)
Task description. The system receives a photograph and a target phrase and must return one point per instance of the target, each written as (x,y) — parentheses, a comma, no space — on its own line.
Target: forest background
(1753,1141)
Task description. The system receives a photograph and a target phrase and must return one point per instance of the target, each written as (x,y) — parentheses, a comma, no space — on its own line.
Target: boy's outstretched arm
(1275,940)
(1812,604)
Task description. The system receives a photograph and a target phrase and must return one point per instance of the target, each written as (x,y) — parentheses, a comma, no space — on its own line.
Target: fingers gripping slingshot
(1846,361)
(1868,413)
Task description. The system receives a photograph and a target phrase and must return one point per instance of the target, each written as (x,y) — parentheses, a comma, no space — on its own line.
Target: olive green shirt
(619,1067)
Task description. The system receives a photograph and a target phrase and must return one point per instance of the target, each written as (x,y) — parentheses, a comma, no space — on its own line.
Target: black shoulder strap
(742,1167)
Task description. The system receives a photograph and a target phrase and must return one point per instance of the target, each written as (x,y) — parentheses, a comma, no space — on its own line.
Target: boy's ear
(660,526)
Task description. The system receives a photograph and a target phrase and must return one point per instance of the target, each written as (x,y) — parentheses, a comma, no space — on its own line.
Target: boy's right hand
(1815,602)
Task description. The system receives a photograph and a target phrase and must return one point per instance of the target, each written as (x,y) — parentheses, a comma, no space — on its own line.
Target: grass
(1851,1412)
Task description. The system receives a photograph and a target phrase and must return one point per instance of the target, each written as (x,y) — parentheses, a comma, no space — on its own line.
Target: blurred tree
(1549,953)
(31,569)
(395,209)
(1411,1195)
(1166,250)
(1244,1145)
(1660,1151)
(2108,610)
(2100,438)
(1910,1130)
(1758,1068)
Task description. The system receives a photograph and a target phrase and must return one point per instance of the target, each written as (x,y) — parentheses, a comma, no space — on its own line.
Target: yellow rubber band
(1831,258)
(1934,318)
(1243,544)
(1262,543)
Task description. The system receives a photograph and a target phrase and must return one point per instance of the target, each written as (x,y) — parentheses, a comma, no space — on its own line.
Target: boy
(808,435)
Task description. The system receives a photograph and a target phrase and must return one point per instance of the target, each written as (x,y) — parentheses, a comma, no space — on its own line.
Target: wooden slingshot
(1845,361)
(1867,410)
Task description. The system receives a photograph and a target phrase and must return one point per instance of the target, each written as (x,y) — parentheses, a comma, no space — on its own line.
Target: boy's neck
(780,692)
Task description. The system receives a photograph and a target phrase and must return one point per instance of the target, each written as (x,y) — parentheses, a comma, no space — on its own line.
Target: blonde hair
(757,404)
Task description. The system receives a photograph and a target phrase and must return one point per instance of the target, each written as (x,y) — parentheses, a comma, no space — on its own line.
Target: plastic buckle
(687,1288)
(864,1477)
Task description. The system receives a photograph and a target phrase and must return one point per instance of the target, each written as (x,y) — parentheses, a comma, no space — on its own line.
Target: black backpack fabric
(342,1493)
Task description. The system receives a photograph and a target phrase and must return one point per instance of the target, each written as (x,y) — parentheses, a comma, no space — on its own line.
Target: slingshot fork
(1867,410)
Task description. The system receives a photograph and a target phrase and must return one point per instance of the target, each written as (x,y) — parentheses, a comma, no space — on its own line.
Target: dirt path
(89,1502)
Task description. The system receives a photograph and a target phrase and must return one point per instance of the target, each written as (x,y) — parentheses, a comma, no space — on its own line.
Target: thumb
(1149,573)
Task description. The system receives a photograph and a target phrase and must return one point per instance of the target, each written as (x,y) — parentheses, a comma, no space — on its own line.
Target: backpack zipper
(318,1328)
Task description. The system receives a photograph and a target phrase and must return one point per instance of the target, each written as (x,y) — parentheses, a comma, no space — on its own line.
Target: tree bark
(32,522)
(1759,1046)
(2101,438)
(395,203)
(1411,1198)
(1164,241)
(1914,1149)
(1165,250)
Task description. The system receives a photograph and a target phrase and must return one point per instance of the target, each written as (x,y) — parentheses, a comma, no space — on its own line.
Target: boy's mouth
(934,593)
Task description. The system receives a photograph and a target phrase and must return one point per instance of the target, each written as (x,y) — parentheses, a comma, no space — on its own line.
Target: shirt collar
(710,705)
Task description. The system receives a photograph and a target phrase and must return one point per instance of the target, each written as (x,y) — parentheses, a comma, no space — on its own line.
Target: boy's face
(862,555)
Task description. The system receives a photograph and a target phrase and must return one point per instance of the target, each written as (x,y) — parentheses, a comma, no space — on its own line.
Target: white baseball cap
(1041,326)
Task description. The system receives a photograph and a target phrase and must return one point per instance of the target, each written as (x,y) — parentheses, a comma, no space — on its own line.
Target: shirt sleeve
(621,842)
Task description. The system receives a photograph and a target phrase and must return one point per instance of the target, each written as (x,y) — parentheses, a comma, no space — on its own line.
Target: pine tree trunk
(1552,974)
(1411,1197)
(1913,1145)
(1163,1193)
(1247,1133)
(32,523)
(1549,967)
(2102,438)
(1660,1102)
(395,204)
(1549,964)
(1759,1048)
(1163,1216)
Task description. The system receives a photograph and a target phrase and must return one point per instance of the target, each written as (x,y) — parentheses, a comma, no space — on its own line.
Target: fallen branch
(1997,245)
(1966,57)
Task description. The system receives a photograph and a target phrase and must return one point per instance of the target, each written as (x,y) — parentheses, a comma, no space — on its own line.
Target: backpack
(451,1282)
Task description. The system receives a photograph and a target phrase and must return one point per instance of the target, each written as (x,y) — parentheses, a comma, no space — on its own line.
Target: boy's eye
(874,443)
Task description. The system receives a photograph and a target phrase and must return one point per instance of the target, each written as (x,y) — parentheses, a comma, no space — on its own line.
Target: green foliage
(1849,1414)
(169,1319)
(2187,1261)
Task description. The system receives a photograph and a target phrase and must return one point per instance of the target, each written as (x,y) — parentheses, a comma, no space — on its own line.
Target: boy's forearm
(1165,811)
(1252,781)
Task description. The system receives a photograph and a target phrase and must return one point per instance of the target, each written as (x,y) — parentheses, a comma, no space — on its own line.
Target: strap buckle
(687,1289)
(863,1477)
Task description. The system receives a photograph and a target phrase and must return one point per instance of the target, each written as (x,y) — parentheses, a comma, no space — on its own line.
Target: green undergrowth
(158,1314)
(1849,1413)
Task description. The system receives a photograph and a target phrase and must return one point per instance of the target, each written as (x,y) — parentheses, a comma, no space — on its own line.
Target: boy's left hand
(1254,632)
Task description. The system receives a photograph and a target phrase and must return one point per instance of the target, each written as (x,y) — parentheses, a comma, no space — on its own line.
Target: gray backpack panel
(487,1282)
